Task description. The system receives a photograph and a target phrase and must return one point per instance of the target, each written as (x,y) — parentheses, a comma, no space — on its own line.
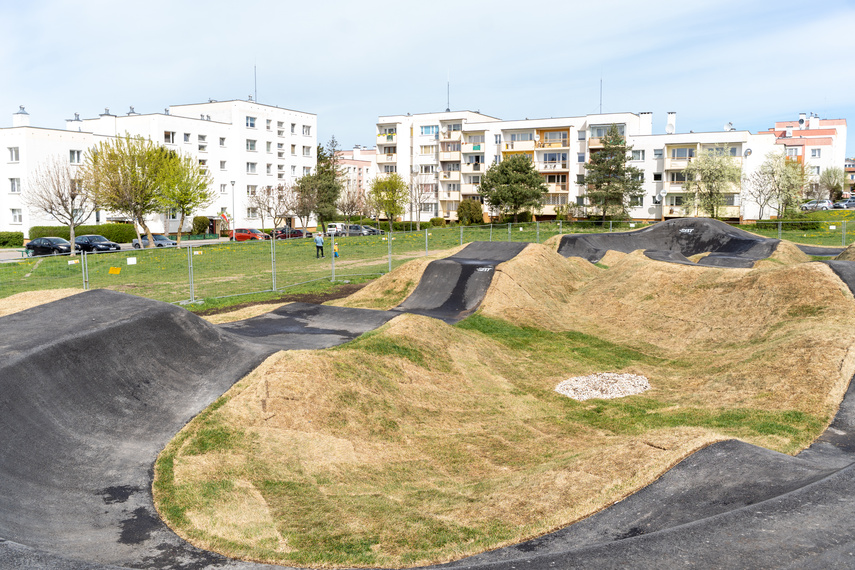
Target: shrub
(119,233)
(469,212)
(200,225)
(11,239)
(437,222)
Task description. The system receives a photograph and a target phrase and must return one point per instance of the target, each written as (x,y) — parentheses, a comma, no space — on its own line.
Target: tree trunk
(71,235)
(147,233)
(180,225)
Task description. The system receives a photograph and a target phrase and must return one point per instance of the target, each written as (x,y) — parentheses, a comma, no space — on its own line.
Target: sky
(746,62)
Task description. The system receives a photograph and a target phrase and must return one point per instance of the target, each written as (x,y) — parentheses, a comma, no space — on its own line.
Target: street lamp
(234,213)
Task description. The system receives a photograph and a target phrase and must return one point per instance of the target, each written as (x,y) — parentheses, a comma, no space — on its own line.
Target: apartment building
(359,167)
(445,155)
(244,146)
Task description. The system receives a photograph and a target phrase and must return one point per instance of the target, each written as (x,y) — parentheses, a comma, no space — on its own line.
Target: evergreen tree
(611,182)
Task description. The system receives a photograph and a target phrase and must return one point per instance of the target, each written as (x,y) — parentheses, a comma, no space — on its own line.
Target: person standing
(319,245)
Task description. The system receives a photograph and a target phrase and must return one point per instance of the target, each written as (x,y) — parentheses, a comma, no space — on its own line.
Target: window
(793,151)
(293,128)
(17,216)
(475,179)
(269,146)
(452,167)
(580,157)
(269,123)
(638,155)
(451,147)
(187,137)
(815,152)
(555,158)
(389,149)
(428,188)
(580,179)
(75,156)
(721,150)
(14,155)
(252,213)
(223,188)
(475,139)
(427,149)
(427,169)
(657,177)
(251,189)
(454,187)
(682,153)
(307,170)
(731,199)
(430,130)
(293,150)
(250,167)
(269,169)
(555,137)
(675,200)
(636,201)
(172,214)
(203,148)
(638,177)
(498,139)
(250,122)
(678,177)
(250,144)
(15,184)
(455,127)
(580,200)
(307,151)
(581,135)
(515,137)
(222,141)
(658,152)
(427,207)
(203,138)
(388,130)
(814,170)
(599,131)
(389,168)
(222,165)
(169,137)
(307,131)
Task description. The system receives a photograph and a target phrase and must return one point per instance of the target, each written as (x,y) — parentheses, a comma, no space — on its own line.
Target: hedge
(11,239)
(119,233)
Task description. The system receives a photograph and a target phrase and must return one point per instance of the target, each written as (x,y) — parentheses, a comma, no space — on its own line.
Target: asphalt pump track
(93,386)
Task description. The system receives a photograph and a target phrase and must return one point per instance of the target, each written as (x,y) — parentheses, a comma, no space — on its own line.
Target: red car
(246,234)
(286,233)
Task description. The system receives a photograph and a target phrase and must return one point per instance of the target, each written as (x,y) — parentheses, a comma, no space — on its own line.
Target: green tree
(389,194)
(184,186)
(470,212)
(709,177)
(611,183)
(327,182)
(831,182)
(513,185)
(124,175)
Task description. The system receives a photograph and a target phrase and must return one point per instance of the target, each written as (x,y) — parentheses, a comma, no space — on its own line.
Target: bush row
(119,233)
(11,239)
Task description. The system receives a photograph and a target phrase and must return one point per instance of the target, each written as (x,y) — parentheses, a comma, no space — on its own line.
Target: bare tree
(300,200)
(422,190)
(352,199)
(54,190)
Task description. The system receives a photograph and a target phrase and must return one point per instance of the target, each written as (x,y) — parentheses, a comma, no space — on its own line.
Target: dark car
(49,246)
(159,241)
(248,234)
(95,244)
(287,233)
(845,204)
(371,231)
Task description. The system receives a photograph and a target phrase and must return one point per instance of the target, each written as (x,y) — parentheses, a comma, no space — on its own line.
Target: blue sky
(746,62)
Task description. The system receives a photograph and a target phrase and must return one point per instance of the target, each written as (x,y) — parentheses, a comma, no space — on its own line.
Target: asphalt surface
(674,241)
(93,386)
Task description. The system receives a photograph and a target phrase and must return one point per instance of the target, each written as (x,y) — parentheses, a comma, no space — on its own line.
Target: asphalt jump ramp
(675,241)
(93,386)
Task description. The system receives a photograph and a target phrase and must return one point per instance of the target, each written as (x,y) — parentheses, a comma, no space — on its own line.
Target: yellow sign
(73,261)
(115,270)
(197,253)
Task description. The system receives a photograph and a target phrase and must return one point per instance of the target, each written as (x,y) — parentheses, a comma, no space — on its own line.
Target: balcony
(473,147)
(381,158)
(595,143)
(519,146)
(387,139)
(452,176)
(561,143)
(556,188)
(450,155)
(449,195)
(473,167)
(451,136)
(677,163)
(468,189)
(551,166)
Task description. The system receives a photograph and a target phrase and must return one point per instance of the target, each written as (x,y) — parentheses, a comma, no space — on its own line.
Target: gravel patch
(605,385)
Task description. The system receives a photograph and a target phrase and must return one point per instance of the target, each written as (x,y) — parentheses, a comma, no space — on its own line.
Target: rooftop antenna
(601,95)
(448,93)
(255,81)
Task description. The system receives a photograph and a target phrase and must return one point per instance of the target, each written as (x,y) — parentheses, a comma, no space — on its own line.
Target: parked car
(95,243)
(814,205)
(372,231)
(159,241)
(335,229)
(844,204)
(286,233)
(49,246)
(248,234)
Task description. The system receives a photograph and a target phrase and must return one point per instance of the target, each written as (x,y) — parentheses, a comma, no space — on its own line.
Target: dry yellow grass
(422,429)
(29,299)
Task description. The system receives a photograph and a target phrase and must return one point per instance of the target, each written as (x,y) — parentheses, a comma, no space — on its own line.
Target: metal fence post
(389,243)
(491,231)
(509,231)
(610,226)
(559,227)
(537,225)
(273,258)
(332,259)
(844,233)
(461,235)
(779,228)
(84,270)
(426,241)
(190,273)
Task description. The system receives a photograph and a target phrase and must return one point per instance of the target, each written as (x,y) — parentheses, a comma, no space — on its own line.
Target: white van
(336,228)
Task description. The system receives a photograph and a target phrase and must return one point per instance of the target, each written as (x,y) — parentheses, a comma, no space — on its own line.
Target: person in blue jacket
(319,245)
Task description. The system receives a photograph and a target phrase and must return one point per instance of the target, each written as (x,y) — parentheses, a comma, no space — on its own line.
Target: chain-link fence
(223,269)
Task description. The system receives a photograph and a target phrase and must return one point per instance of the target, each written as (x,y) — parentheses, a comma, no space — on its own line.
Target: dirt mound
(29,299)
(847,254)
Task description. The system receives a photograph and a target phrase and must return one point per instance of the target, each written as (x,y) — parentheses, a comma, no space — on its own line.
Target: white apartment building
(244,146)
(446,154)
(359,166)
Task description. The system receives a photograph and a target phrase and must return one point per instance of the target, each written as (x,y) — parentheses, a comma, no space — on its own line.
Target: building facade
(243,145)
(444,155)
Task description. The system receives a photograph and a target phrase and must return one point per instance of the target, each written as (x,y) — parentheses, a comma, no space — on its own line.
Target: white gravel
(603,385)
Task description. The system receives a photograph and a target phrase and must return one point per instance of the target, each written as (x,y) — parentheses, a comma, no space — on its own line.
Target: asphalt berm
(93,386)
